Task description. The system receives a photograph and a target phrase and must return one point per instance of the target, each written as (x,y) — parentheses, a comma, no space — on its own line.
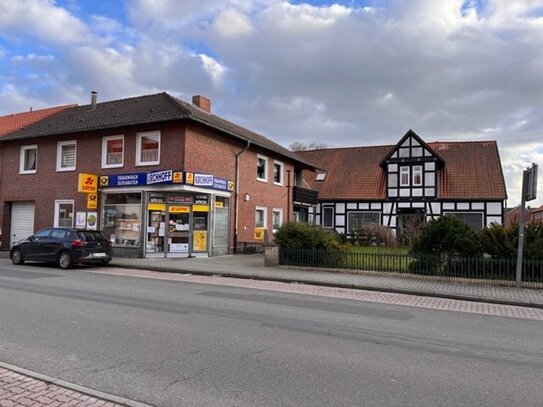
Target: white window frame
(104,151)
(379,215)
(265,210)
(139,136)
(281,172)
(333,216)
(404,169)
(280,212)
(22,159)
(262,157)
(321,176)
(468,213)
(61,144)
(417,170)
(58,202)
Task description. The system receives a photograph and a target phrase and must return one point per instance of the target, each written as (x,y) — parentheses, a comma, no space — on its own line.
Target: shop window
(28,159)
(260,217)
(278,173)
(261,168)
(112,151)
(277,219)
(66,155)
(328,216)
(355,220)
(148,148)
(64,213)
(121,219)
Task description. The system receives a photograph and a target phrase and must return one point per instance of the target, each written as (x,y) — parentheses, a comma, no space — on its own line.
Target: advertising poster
(80,220)
(92,220)
(199,243)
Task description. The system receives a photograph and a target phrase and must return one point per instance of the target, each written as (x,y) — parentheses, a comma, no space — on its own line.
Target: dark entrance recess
(410,220)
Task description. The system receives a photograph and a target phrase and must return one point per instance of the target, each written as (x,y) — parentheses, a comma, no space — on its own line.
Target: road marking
(433,303)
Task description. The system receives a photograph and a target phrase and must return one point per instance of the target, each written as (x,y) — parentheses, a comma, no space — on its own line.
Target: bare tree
(302,146)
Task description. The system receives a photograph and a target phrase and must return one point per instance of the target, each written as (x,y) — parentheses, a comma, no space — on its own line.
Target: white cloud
(231,24)
(213,68)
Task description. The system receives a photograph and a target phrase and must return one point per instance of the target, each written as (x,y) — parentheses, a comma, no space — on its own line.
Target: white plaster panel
(340,208)
(429,192)
(427,153)
(477,205)
(375,205)
(363,206)
(311,209)
(448,206)
(436,208)
(393,222)
(395,155)
(404,205)
(385,220)
(393,192)
(493,219)
(387,206)
(417,192)
(352,205)
(493,208)
(340,220)
(318,208)
(318,219)
(416,151)
(429,179)
(404,192)
(418,205)
(430,166)
(414,142)
(393,180)
(392,167)
(340,230)
(462,206)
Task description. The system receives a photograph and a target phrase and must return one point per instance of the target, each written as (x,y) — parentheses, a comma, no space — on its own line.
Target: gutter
(236,218)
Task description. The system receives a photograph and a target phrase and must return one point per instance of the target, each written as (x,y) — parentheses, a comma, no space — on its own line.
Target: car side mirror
(31,238)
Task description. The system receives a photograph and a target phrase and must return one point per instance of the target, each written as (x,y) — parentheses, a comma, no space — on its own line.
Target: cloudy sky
(343,73)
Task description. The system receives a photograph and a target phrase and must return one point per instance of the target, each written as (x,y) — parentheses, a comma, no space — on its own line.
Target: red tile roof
(472,171)
(16,121)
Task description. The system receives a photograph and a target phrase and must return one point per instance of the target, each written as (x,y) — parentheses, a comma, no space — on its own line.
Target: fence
(249,247)
(452,268)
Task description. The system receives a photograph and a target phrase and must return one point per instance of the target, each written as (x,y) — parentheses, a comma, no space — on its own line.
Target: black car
(64,246)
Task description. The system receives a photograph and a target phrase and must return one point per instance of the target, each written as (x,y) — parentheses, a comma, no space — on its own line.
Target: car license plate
(99,255)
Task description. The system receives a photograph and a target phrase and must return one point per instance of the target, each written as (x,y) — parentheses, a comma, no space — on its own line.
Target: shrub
(502,242)
(375,235)
(300,235)
(449,236)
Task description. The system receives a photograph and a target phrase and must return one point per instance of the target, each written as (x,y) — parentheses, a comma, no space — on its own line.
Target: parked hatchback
(64,246)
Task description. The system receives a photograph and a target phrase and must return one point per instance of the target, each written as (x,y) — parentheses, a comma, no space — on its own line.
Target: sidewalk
(252,267)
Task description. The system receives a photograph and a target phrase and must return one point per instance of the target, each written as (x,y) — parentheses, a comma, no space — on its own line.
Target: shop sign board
(201,199)
(177,177)
(179,209)
(92,201)
(92,220)
(124,180)
(220,183)
(259,234)
(157,197)
(200,208)
(230,185)
(203,180)
(179,247)
(189,178)
(160,177)
(87,183)
(199,241)
(219,204)
(179,198)
(156,207)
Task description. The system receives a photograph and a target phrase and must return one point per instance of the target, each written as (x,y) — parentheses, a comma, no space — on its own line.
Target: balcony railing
(305,195)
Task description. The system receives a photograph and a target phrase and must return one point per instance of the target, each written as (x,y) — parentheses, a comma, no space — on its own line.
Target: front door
(409,224)
(179,230)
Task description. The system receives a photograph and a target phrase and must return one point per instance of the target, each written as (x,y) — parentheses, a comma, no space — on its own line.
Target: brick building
(173,179)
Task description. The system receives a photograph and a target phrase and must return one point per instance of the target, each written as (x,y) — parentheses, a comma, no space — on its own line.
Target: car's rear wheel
(65,260)
(104,262)
(17,257)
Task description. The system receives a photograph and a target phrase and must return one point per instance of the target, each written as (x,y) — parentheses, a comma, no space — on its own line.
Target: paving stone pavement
(252,267)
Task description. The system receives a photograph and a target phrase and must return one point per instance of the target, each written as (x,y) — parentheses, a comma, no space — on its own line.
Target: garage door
(22,220)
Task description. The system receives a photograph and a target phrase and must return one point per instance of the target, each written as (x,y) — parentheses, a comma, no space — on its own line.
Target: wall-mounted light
(246,197)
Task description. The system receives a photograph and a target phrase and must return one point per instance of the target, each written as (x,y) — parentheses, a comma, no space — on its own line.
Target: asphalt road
(171,343)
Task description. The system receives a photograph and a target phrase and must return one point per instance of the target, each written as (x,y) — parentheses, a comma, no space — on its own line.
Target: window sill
(27,172)
(262,180)
(65,169)
(147,164)
(113,166)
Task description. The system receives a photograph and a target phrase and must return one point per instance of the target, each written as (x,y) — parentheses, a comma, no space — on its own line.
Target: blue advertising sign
(160,177)
(220,183)
(203,180)
(123,180)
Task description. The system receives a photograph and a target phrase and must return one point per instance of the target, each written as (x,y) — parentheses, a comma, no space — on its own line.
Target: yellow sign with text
(92,201)
(189,178)
(177,177)
(179,209)
(259,234)
(199,241)
(88,183)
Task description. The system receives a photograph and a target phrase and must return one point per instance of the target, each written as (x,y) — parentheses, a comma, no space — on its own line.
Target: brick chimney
(202,102)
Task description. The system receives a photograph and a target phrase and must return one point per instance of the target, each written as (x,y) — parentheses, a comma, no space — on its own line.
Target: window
(260,217)
(112,151)
(148,148)
(278,173)
(404,176)
(261,168)
(321,176)
(277,220)
(328,217)
(473,219)
(66,155)
(64,213)
(220,225)
(417,175)
(28,163)
(355,220)
(121,218)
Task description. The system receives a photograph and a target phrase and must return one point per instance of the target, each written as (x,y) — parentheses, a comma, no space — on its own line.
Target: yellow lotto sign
(88,183)
(259,234)
(179,209)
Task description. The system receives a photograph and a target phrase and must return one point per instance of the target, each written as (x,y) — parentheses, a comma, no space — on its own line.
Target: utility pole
(529,192)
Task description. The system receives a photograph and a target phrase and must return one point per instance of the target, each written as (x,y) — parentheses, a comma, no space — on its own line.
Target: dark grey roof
(139,110)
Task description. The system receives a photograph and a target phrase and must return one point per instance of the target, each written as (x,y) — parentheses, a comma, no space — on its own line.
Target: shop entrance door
(178,230)
(156,231)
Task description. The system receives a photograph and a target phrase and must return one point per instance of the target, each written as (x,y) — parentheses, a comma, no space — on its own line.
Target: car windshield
(90,236)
